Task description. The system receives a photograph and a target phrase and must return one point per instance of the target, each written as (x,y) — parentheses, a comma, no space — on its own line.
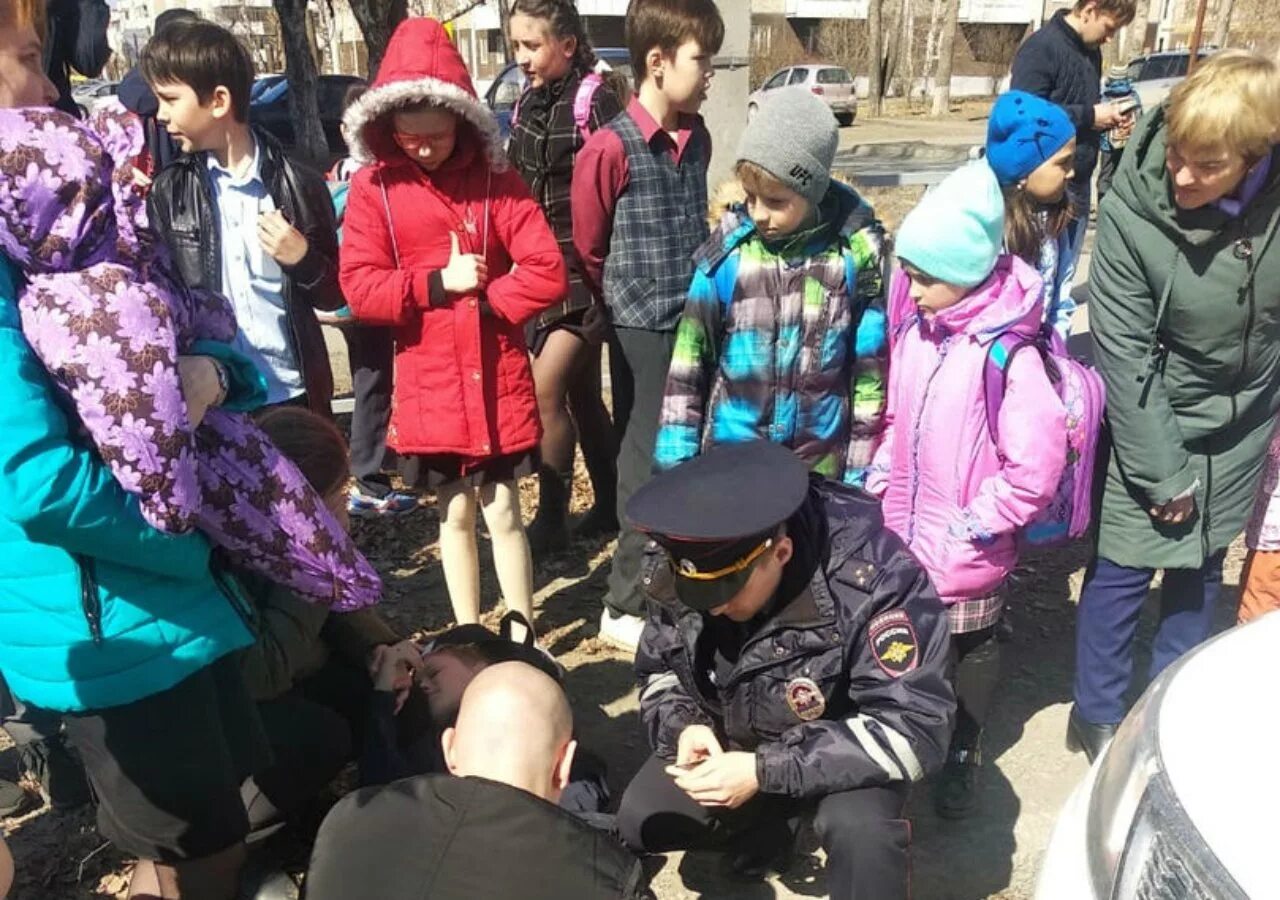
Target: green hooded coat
(1185,315)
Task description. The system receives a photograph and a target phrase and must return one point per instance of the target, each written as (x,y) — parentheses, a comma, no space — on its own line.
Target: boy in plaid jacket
(783,334)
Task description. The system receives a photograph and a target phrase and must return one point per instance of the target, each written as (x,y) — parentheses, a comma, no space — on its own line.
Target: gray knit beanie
(793,137)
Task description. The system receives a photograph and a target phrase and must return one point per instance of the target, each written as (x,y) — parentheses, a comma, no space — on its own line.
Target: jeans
(1107,621)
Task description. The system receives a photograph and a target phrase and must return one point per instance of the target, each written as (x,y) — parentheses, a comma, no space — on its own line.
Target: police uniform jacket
(845,686)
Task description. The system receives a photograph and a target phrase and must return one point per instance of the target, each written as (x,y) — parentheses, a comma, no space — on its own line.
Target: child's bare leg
(458,552)
(511,559)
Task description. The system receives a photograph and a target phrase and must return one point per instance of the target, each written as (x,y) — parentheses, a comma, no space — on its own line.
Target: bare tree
(1222,29)
(377,19)
(1136,34)
(946,53)
(875,70)
(931,42)
(327,34)
(300,69)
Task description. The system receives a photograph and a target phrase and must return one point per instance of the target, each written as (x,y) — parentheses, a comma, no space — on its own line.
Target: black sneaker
(58,771)
(955,795)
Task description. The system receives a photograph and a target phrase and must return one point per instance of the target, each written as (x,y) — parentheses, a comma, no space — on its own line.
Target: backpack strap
(582,100)
(995,373)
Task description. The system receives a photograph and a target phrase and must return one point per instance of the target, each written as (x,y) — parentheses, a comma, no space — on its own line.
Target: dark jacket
(545,140)
(76,39)
(1191,398)
(136,96)
(181,208)
(867,631)
(447,838)
(1055,64)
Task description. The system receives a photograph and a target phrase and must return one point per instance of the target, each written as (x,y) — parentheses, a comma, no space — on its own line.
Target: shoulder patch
(894,643)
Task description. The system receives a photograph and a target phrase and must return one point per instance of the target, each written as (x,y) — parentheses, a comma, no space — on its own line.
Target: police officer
(794,661)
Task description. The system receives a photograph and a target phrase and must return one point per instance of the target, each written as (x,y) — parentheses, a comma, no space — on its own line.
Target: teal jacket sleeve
(57,490)
(247,390)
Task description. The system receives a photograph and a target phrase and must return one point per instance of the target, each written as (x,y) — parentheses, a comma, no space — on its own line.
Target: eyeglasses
(412,143)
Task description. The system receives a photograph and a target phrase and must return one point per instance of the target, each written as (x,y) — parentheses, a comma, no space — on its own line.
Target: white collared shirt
(252,280)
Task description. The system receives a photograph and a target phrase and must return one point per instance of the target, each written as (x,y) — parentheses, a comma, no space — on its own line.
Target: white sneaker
(622,631)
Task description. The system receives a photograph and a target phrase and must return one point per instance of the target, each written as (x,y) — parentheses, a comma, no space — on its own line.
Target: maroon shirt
(601,176)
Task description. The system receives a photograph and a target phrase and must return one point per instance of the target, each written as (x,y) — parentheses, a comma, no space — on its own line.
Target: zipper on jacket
(917,427)
(90,602)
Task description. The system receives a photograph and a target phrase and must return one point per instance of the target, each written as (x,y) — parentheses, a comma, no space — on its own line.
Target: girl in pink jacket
(952,493)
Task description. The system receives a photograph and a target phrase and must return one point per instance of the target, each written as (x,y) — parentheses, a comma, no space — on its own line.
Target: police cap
(718,513)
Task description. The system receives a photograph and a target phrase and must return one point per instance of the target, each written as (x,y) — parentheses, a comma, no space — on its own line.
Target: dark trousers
(863,831)
(638,363)
(1111,603)
(371,354)
(1107,165)
(26,724)
(976,657)
(313,731)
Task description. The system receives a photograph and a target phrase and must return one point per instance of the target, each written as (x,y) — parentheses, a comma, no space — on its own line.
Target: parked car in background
(1155,75)
(503,92)
(1185,801)
(88,94)
(269,109)
(833,84)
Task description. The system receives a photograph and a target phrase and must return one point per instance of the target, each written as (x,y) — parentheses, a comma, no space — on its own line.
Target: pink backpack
(582,100)
(1080,388)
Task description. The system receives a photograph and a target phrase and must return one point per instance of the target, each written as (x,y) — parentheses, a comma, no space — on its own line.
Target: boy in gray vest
(638,198)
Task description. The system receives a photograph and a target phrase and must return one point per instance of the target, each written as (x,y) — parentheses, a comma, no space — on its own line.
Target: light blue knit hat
(955,233)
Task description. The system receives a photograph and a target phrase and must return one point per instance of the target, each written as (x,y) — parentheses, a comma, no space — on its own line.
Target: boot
(955,795)
(58,770)
(1086,736)
(602,518)
(766,850)
(549,530)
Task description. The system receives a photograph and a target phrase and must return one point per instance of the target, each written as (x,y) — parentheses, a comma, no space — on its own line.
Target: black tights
(566,373)
(976,657)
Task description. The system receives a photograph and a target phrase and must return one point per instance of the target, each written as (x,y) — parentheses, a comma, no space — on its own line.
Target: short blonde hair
(1231,102)
(22,13)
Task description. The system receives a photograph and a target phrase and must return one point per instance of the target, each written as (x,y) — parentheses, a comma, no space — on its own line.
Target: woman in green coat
(1185,315)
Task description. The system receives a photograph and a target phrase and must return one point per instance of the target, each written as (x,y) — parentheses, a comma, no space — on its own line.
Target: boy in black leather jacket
(239,216)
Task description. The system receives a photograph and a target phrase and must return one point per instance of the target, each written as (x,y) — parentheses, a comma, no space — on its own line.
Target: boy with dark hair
(638,198)
(239,216)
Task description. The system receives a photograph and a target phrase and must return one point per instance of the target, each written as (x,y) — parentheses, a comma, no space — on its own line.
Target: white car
(1155,75)
(834,84)
(1184,803)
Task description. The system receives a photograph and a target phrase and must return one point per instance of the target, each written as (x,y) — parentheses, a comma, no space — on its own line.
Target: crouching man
(794,662)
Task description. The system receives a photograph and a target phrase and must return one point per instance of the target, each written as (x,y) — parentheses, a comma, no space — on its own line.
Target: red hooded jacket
(462,379)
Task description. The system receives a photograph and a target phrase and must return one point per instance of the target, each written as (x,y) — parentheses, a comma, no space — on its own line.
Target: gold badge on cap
(687,567)
(805,699)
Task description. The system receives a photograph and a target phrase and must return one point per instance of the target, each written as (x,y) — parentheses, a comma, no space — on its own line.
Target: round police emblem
(805,699)
(687,567)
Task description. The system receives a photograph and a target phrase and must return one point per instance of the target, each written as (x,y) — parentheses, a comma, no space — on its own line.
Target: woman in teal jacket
(97,608)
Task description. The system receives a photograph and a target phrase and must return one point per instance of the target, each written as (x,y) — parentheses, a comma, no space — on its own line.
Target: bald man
(491,828)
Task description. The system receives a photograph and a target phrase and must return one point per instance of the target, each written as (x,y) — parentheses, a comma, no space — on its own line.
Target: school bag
(1080,388)
(591,82)
(1081,391)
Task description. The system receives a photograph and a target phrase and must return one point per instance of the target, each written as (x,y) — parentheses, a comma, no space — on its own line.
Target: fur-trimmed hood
(421,63)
